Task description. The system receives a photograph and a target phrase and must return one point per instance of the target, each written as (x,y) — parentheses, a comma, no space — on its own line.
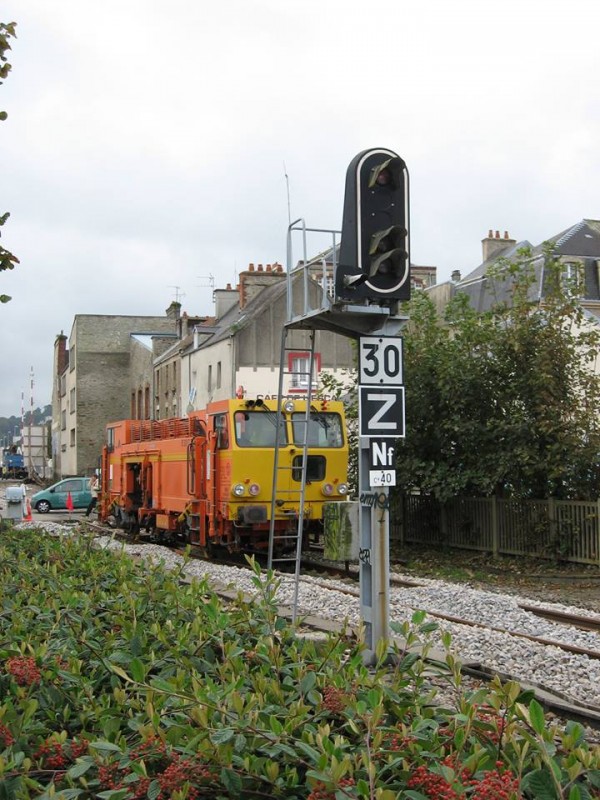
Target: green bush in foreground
(117,681)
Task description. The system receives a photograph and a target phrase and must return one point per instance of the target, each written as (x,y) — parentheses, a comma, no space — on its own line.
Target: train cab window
(258,429)
(222,431)
(110,439)
(324,429)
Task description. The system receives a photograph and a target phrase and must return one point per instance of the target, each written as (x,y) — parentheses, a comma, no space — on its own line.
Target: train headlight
(239,489)
(327,489)
(288,406)
(342,488)
(254,489)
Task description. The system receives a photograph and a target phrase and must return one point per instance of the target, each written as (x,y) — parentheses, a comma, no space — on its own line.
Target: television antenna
(178,293)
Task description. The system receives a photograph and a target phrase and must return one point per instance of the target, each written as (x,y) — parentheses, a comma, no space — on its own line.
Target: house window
(209,381)
(72,437)
(147,402)
(63,420)
(570,271)
(218,374)
(132,409)
(72,401)
(299,366)
(72,359)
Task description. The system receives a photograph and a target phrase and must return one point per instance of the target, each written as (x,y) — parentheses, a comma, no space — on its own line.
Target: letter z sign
(381,403)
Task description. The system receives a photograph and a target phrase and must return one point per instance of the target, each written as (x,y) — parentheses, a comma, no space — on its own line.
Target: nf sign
(381,411)
(381,462)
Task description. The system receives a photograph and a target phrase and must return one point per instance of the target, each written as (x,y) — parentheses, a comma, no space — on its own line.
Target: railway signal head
(374,261)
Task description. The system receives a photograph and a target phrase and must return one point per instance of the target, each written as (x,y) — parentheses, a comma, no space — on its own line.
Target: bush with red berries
(120,682)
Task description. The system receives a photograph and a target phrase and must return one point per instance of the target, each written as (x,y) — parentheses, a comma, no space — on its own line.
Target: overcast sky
(146,141)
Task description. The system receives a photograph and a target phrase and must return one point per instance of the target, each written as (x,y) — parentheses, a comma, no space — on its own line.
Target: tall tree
(503,402)
(7,31)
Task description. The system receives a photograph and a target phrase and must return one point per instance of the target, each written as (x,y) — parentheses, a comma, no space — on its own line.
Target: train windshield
(324,429)
(258,429)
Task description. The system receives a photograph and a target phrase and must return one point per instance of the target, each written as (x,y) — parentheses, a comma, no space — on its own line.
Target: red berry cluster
(334,699)
(178,773)
(496,785)
(23,670)
(6,736)
(321,792)
(491,718)
(52,755)
(396,742)
(79,747)
(464,773)
(431,784)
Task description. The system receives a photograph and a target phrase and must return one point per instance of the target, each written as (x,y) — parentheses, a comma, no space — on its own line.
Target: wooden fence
(567,530)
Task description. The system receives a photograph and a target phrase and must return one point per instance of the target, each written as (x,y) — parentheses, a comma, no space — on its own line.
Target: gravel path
(576,677)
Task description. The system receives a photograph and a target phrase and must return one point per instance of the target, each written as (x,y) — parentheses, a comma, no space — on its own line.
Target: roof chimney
(493,246)
(61,354)
(173,310)
(252,281)
(224,300)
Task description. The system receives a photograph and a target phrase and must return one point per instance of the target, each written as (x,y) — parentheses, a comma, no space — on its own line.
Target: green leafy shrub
(119,681)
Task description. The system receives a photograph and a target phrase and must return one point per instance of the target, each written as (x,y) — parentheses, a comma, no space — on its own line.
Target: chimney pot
(250,267)
(490,234)
(497,234)
(260,267)
(269,268)
(506,236)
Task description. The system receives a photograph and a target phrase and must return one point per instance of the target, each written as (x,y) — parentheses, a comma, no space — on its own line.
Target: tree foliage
(503,402)
(7,31)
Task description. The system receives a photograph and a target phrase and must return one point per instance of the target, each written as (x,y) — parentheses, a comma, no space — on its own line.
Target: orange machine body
(209,478)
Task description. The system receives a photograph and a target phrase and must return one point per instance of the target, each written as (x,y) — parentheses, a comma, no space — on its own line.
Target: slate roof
(581,241)
(479,272)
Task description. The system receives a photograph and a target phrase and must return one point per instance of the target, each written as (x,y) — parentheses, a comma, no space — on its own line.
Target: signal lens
(327,489)
(342,488)
(288,406)
(238,490)
(254,489)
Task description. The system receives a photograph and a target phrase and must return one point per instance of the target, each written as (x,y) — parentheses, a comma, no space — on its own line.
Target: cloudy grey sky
(146,141)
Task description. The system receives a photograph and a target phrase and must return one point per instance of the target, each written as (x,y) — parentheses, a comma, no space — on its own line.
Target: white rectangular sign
(382,477)
(380,360)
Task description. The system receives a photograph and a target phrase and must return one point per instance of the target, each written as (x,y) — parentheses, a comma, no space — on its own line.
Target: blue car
(54,498)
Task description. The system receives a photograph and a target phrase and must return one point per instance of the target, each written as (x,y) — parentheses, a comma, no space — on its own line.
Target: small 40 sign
(380,360)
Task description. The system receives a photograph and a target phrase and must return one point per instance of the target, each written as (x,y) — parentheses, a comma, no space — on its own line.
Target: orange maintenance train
(208,478)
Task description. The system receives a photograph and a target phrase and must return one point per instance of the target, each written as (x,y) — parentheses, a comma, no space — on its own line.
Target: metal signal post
(371,277)
(381,423)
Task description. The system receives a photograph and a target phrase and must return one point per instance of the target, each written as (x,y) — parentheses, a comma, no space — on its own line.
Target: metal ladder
(297,495)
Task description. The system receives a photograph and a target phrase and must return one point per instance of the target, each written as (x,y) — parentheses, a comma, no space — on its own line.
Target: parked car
(55,497)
